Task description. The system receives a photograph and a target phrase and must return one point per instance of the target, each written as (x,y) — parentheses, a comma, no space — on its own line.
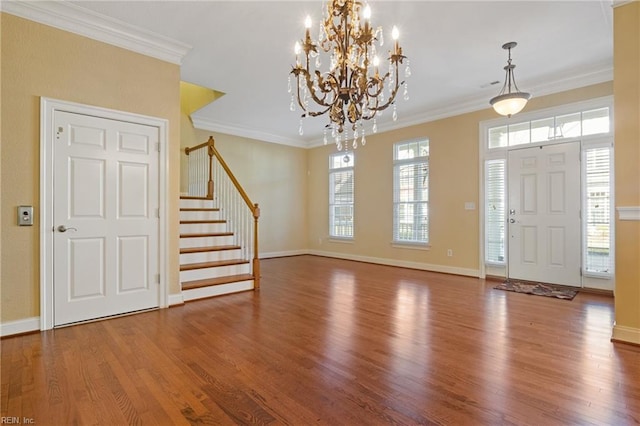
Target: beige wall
(454,180)
(274,176)
(38,60)
(627,168)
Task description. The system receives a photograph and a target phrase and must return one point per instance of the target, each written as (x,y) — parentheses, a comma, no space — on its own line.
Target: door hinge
(157,278)
(158,213)
(158,146)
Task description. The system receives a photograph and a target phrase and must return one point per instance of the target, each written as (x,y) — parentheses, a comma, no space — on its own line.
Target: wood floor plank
(334,342)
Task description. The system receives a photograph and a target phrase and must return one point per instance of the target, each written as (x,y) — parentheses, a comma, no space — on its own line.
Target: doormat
(538,289)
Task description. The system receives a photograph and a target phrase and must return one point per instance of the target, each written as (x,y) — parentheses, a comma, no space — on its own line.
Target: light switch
(25,215)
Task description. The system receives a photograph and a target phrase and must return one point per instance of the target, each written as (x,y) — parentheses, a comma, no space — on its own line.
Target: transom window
(573,125)
(411,192)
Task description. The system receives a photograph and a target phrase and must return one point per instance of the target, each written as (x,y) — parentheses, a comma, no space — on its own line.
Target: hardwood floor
(334,342)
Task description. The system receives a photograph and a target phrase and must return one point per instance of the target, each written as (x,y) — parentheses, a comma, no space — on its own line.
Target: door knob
(512,221)
(63,228)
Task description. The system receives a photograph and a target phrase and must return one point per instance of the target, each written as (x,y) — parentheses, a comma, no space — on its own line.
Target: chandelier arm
(378,83)
(299,99)
(316,98)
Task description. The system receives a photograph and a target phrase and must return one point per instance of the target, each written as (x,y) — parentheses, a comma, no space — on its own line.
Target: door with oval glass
(544,214)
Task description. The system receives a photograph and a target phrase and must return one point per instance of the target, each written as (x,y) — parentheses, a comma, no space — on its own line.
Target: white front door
(544,214)
(106,196)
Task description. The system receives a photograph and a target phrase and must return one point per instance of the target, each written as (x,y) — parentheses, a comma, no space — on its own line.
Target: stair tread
(199,209)
(195,222)
(193,197)
(189,285)
(207,248)
(212,264)
(207,234)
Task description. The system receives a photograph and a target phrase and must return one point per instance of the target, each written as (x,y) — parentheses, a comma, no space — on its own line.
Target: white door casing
(544,214)
(102,178)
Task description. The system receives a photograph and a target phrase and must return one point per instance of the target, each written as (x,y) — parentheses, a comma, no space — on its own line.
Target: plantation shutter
(341,195)
(494,239)
(598,210)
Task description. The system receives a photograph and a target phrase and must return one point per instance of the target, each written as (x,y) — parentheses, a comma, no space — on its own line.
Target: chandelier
(353,88)
(508,102)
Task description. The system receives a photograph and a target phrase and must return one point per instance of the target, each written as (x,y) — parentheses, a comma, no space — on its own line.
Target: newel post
(210,143)
(256,258)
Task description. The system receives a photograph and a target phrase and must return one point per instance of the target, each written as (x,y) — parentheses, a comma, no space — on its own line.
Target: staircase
(211,261)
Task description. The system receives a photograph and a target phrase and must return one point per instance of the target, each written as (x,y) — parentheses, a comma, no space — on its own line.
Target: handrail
(245,197)
(253,208)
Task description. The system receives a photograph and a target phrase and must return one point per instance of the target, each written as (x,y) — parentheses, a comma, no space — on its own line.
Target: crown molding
(618,3)
(235,130)
(84,22)
(597,74)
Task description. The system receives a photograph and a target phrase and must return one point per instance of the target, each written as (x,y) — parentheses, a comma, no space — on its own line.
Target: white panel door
(544,214)
(105,217)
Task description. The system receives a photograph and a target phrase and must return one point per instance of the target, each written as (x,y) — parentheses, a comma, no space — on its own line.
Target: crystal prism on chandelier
(354,88)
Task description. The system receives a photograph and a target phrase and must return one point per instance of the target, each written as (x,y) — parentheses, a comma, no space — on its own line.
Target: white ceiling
(245,49)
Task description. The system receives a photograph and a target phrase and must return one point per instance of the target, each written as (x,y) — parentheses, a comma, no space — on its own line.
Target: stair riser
(220,271)
(200,215)
(198,228)
(196,204)
(206,241)
(209,256)
(218,290)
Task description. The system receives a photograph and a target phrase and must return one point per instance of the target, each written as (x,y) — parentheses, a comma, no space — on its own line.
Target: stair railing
(210,177)
(200,170)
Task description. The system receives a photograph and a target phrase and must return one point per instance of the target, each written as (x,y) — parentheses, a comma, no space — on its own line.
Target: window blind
(411,192)
(494,215)
(341,195)
(597,255)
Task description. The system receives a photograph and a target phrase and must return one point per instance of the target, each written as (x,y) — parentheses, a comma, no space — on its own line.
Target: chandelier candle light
(352,90)
(508,102)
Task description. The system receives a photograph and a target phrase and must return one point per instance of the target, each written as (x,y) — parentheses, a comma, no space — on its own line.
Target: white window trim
(606,142)
(340,238)
(416,245)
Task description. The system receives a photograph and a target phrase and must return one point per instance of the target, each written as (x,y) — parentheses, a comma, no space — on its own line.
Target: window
(573,125)
(411,192)
(597,233)
(494,215)
(341,195)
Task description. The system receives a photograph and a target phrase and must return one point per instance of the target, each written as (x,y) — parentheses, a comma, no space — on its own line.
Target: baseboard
(26,325)
(400,263)
(283,253)
(176,299)
(625,334)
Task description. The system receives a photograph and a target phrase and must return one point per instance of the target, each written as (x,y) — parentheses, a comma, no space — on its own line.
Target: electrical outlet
(449,252)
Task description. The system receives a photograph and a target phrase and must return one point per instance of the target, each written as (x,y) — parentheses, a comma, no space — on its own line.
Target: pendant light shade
(509,102)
